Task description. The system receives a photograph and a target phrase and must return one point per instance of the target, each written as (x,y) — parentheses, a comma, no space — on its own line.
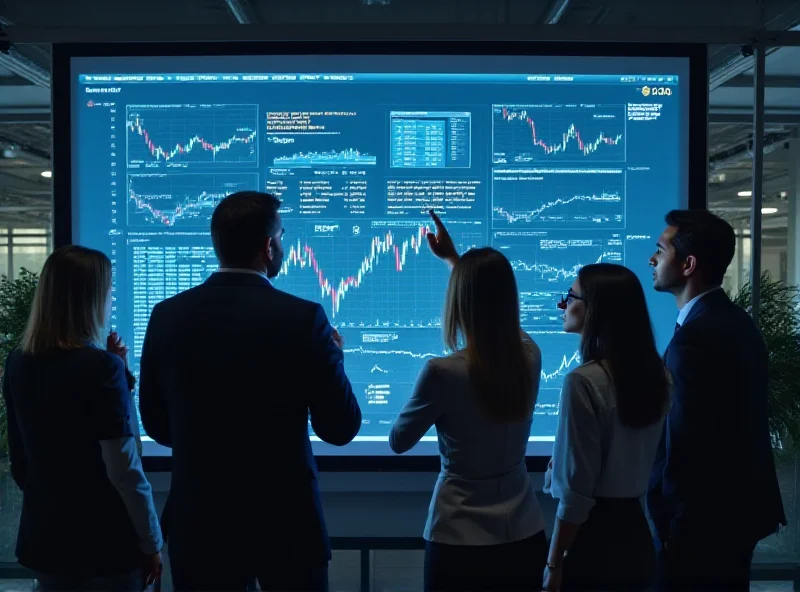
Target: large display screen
(556,161)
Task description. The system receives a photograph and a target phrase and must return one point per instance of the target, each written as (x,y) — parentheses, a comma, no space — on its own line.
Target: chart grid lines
(179,200)
(357,160)
(564,199)
(191,135)
(520,138)
(340,264)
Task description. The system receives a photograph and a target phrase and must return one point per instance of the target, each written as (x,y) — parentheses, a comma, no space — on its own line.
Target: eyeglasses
(567,298)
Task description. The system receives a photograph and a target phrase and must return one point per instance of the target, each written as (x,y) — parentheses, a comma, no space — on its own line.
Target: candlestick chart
(371,274)
(557,161)
(348,156)
(524,134)
(185,136)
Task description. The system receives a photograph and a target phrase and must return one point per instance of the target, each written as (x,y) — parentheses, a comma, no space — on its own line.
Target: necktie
(677,326)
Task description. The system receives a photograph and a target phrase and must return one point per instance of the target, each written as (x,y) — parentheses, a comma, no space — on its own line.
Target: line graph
(383,366)
(558,198)
(389,353)
(560,355)
(556,373)
(556,262)
(523,134)
(546,265)
(191,135)
(181,200)
(370,274)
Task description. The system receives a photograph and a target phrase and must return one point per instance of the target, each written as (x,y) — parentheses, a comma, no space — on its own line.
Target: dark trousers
(130,582)
(613,550)
(507,567)
(228,569)
(705,562)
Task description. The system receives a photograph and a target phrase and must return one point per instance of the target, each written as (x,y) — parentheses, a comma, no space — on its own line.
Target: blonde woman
(88,520)
(485,529)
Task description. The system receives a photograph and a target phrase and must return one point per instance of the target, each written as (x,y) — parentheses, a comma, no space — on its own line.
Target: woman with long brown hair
(610,419)
(485,529)
(88,520)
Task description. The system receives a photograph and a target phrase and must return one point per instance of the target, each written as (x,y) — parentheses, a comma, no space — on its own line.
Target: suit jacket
(61,405)
(714,469)
(483,495)
(230,371)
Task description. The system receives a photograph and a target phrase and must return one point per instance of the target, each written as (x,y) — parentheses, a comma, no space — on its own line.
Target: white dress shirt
(595,456)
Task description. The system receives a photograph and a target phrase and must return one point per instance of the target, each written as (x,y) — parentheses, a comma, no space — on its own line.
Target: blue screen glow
(556,161)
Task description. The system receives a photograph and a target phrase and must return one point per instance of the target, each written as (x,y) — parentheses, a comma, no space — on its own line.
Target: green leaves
(779,322)
(16,298)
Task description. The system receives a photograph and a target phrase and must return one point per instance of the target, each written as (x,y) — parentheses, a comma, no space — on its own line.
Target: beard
(667,282)
(274,266)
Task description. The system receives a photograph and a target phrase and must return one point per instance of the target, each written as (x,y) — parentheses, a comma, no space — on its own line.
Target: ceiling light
(47,174)
(784,194)
(717,178)
(730,209)
(769,210)
(745,194)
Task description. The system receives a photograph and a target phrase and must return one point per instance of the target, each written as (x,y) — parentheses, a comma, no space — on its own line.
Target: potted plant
(779,322)
(16,297)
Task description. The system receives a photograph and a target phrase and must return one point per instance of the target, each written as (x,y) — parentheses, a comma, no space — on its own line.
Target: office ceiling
(25,105)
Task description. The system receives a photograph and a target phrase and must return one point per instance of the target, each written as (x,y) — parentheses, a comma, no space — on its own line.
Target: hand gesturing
(115,345)
(440,243)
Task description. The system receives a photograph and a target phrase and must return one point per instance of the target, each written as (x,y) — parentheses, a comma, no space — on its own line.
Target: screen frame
(61,157)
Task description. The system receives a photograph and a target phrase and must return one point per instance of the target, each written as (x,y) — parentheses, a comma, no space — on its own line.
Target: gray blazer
(483,495)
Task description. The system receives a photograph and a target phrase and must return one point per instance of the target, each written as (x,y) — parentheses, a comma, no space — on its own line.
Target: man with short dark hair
(713,490)
(230,372)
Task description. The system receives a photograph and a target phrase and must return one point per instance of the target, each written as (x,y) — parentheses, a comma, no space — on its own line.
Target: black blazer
(230,371)
(714,469)
(60,406)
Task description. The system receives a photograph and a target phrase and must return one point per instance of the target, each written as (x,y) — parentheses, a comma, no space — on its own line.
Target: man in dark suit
(230,371)
(713,491)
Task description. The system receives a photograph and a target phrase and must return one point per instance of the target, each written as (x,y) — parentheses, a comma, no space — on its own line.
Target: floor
(27,586)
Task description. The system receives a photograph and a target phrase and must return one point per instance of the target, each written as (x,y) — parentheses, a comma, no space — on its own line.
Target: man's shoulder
(287,304)
(290,300)
(717,334)
(270,298)
(716,322)
(179,299)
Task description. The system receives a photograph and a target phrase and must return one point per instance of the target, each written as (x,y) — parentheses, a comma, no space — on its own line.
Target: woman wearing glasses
(610,418)
(485,529)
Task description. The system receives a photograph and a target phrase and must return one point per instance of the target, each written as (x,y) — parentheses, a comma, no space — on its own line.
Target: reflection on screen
(557,162)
